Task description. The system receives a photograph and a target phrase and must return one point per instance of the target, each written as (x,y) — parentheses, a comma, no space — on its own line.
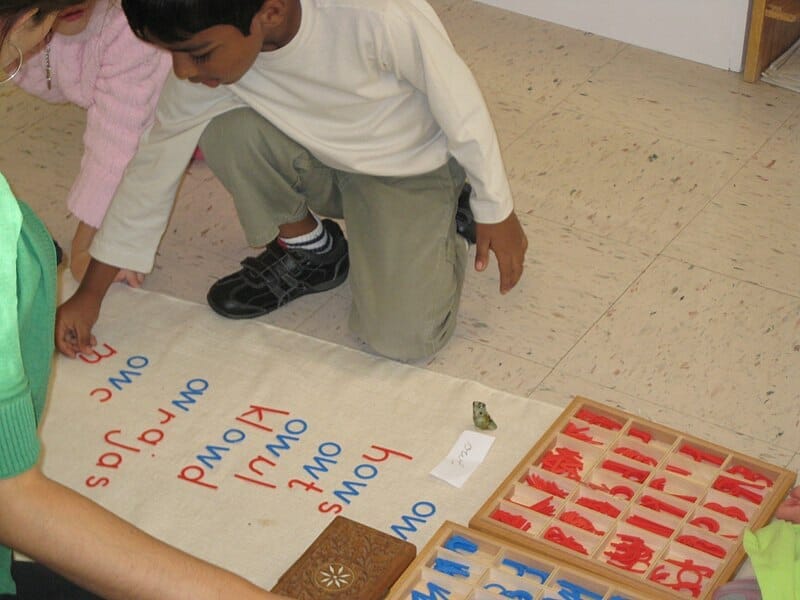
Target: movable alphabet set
(605,506)
(465,564)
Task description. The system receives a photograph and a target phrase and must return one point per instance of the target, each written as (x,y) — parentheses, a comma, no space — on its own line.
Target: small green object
(481,417)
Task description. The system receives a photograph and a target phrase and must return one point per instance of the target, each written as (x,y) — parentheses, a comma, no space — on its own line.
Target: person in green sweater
(774,551)
(44,520)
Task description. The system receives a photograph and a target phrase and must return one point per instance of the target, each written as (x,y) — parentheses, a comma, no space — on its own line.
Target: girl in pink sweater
(95,61)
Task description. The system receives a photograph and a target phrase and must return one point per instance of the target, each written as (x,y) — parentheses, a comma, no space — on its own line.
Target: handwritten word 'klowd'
(214,454)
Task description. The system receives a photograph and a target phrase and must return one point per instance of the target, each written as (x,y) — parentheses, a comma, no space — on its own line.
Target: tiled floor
(662,202)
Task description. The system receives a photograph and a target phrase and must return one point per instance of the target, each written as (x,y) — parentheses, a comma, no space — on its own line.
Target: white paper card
(464,457)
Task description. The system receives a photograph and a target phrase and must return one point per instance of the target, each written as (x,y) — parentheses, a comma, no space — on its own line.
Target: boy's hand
(76,317)
(132,278)
(508,242)
(74,321)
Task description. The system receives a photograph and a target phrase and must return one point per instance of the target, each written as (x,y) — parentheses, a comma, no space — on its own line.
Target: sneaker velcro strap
(276,275)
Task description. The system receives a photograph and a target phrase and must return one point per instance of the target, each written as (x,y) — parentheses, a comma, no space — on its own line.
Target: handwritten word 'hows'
(256,472)
(363,473)
(149,437)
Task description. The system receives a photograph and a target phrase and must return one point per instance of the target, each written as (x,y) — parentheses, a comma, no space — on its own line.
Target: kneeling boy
(353,109)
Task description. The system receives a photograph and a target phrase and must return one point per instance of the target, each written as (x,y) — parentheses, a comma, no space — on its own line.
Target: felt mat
(239,442)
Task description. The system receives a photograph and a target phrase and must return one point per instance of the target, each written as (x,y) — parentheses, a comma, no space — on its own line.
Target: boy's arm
(102,553)
(420,52)
(138,215)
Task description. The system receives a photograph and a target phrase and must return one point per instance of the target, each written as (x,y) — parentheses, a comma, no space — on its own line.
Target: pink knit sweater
(117,78)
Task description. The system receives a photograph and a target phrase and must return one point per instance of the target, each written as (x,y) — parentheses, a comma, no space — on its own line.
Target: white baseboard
(707,31)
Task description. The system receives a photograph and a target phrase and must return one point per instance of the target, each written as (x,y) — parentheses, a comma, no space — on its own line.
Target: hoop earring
(19,66)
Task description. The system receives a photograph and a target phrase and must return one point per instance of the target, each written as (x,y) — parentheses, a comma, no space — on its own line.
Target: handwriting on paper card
(465,456)
(462,455)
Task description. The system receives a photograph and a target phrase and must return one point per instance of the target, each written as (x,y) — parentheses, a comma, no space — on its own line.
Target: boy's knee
(410,321)
(406,340)
(227,129)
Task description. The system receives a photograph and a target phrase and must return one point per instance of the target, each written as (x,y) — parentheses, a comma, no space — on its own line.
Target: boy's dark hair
(173,21)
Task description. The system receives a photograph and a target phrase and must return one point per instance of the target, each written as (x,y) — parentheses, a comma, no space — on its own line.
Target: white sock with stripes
(318,241)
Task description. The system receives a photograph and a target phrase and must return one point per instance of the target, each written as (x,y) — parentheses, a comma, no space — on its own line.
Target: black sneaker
(278,276)
(465,222)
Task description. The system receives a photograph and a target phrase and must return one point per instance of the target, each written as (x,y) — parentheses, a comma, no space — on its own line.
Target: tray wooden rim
(403,584)
(482,522)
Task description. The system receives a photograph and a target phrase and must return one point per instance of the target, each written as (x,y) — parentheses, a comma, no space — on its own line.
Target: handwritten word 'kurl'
(150,437)
(258,465)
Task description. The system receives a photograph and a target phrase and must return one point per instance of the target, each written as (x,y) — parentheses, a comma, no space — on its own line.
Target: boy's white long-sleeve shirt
(369,86)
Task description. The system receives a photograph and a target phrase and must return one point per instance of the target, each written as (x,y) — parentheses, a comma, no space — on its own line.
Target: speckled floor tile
(21,111)
(794,464)
(205,216)
(693,103)
(186,271)
(570,280)
(615,182)
(787,139)
(523,66)
(559,388)
(525,57)
(705,345)
(467,359)
(329,322)
(42,164)
(751,231)
(512,115)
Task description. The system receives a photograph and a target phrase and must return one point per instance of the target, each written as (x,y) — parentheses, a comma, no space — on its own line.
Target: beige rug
(239,442)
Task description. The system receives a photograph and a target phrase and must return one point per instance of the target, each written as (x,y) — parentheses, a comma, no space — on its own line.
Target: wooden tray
(647,492)
(497,569)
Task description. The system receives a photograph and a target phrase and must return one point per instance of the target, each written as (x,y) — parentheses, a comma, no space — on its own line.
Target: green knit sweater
(27,317)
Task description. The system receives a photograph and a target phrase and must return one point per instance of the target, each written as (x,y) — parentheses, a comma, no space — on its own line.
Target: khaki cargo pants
(406,262)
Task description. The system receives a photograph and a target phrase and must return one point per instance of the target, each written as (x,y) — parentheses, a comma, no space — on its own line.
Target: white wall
(707,31)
